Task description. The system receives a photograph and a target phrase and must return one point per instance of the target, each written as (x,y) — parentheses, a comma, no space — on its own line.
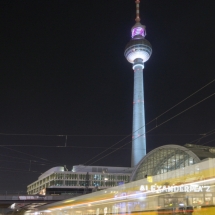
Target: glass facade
(164,159)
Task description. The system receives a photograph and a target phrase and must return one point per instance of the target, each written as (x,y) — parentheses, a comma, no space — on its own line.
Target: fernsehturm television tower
(137,52)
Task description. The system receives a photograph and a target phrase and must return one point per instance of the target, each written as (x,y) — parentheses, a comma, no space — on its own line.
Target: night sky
(63,72)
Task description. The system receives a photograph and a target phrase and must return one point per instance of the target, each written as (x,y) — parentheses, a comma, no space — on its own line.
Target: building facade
(81,179)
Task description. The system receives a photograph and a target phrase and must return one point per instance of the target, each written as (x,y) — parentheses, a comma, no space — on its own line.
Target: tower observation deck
(137,52)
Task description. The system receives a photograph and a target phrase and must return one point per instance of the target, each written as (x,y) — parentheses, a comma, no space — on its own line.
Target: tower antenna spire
(137,10)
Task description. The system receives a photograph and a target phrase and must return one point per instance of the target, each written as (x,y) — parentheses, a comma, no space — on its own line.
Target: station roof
(171,157)
(201,151)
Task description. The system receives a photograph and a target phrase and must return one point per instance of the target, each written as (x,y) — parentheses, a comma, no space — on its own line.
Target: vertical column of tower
(137,52)
(138,128)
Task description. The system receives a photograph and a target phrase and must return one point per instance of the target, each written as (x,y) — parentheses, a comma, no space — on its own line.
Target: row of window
(105,183)
(76,183)
(84,176)
(62,176)
(84,183)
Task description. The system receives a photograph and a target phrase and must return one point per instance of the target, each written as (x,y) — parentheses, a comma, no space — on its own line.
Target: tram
(189,190)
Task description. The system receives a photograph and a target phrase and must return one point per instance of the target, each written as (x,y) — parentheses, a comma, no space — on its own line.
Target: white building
(57,181)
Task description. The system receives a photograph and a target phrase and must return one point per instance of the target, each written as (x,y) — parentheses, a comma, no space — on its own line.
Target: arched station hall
(171,157)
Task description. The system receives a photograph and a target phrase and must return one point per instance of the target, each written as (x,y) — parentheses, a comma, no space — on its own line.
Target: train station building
(85,179)
(171,157)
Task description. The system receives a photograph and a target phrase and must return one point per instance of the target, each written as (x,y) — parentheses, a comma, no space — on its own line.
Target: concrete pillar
(138,129)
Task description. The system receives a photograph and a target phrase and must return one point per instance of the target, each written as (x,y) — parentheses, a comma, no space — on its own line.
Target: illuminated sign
(174,189)
(150,179)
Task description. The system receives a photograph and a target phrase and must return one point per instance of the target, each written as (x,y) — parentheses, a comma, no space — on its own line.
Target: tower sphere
(138,48)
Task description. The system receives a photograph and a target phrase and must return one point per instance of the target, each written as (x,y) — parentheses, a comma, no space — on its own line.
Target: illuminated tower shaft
(137,52)
(138,128)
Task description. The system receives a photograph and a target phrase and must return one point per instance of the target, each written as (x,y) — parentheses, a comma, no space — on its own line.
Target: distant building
(82,179)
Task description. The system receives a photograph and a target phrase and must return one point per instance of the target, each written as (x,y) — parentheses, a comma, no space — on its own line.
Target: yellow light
(69,201)
(150,179)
